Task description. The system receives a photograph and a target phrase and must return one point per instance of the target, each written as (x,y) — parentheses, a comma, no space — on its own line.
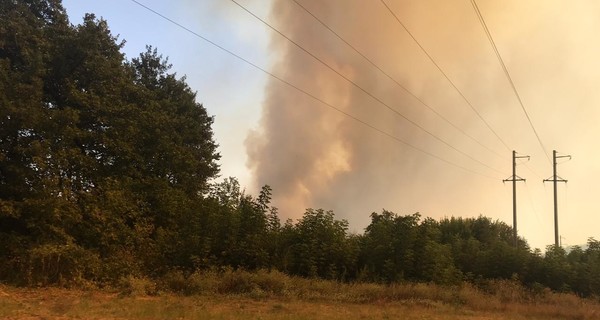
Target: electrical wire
(530,170)
(444,74)
(512,84)
(364,90)
(396,81)
(389,135)
(540,221)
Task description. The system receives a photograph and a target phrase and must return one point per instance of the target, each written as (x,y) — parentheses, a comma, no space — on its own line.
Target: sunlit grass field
(272,295)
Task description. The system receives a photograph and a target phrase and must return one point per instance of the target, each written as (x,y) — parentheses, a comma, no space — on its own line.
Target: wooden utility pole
(514,178)
(555,178)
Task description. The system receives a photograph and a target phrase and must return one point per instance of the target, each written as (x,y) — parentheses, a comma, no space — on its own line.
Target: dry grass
(272,295)
(62,304)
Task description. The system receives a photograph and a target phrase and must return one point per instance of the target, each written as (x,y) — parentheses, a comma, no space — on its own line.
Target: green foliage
(93,157)
(318,246)
(106,176)
(66,265)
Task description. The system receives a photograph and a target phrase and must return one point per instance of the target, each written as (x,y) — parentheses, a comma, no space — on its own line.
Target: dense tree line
(106,168)
(100,158)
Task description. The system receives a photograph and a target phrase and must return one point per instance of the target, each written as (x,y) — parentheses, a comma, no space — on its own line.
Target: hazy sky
(313,156)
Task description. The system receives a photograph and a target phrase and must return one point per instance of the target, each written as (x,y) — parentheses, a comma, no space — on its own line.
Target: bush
(235,281)
(273,282)
(227,281)
(174,281)
(137,286)
(64,265)
(240,281)
(203,282)
(505,290)
(199,282)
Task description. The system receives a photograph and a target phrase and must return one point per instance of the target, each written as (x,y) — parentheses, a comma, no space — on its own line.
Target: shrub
(137,286)
(203,282)
(273,282)
(63,265)
(174,281)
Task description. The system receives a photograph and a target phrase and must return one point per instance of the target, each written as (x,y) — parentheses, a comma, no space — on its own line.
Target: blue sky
(231,90)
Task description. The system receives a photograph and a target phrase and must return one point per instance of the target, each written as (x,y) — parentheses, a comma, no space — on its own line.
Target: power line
(396,81)
(533,171)
(540,221)
(445,75)
(310,94)
(363,89)
(512,84)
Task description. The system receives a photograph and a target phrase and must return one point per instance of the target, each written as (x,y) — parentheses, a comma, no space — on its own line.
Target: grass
(272,295)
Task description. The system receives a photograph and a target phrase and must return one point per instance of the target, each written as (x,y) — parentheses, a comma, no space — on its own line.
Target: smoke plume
(314,156)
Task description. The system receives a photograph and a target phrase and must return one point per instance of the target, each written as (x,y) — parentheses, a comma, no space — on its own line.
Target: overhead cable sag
(444,74)
(420,100)
(389,135)
(507,74)
(394,110)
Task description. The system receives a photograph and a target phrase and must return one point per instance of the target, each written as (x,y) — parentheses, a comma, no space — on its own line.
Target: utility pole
(514,178)
(555,178)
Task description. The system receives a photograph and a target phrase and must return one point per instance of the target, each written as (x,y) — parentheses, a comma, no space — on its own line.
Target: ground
(56,303)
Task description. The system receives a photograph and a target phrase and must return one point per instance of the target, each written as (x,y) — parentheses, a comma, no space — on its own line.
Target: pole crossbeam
(555,179)
(514,179)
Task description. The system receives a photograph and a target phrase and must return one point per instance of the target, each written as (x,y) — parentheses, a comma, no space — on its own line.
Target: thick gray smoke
(313,156)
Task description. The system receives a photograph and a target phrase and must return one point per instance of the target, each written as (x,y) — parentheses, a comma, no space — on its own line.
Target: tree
(174,130)
(29,200)
(433,259)
(389,244)
(556,269)
(97,155)
(377,250)
(317,246)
